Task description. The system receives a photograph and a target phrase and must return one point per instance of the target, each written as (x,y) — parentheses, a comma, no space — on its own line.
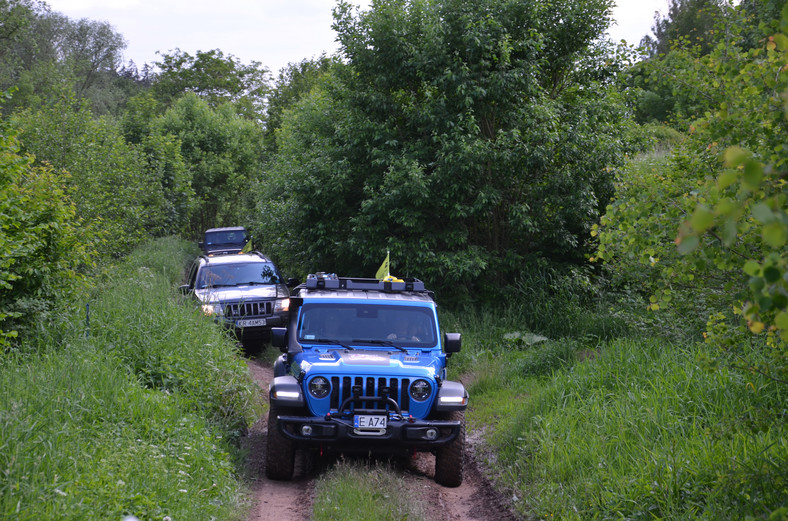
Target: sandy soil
(474,500)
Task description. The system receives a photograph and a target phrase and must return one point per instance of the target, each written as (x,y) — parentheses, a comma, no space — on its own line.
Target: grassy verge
(630,429)
(137,418)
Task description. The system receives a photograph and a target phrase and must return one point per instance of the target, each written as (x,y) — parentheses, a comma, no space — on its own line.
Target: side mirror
(184,289)
(292,282)
(452,343)
(201,245)
(279,338)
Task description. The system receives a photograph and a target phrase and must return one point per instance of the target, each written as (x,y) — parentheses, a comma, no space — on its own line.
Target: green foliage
(43,52)
(83,439)
(293,83)
(142,323)
(123,192)
(44,249)
(458,136)
(682,80)
(690,20)
(727,207)
(213,77)
(223,152)
(639,430)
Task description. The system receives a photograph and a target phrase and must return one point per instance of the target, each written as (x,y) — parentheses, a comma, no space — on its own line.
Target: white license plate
(364,421)
(250,322)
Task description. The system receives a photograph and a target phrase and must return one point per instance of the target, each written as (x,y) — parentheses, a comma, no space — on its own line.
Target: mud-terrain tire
(450,458)
(280,451)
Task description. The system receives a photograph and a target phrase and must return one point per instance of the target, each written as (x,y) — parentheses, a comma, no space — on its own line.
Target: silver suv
(244,292)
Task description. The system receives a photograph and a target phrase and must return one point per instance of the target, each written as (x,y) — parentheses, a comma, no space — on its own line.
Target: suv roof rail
(209,256)
(322,280)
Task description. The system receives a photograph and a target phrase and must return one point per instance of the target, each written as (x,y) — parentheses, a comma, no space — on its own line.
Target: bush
(43,246)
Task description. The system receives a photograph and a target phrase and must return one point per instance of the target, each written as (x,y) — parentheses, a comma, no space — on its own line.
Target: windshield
(225,237)
(368,324)
(237,275)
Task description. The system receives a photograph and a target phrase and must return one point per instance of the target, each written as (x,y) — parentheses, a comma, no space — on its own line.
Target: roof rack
(322,280)
(209,256)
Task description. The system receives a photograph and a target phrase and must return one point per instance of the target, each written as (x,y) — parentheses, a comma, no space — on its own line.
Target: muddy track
(474,500)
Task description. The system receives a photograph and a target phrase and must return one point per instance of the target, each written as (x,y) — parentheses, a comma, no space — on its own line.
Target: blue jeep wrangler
(364,370)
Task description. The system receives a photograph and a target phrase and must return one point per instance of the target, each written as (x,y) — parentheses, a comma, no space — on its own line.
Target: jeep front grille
(249,309)
(341,390)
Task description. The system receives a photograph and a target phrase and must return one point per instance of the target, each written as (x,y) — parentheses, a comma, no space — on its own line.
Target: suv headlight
(420,390)
(282,305)
(319,387)
(212,310)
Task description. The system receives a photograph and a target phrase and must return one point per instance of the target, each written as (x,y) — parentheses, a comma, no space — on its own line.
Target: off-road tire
(280,451)
(450,458)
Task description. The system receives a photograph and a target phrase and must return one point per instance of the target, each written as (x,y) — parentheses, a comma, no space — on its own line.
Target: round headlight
(319,387)
(420,390)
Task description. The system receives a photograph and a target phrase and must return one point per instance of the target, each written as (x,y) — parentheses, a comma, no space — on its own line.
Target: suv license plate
(250,322)
(363,421)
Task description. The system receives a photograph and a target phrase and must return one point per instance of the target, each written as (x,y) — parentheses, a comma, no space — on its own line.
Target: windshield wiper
(387,343)
(330,342)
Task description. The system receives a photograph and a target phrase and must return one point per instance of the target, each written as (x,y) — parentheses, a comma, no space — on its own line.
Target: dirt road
(474,500)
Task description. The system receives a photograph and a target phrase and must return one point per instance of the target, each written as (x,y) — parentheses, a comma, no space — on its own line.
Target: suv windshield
(225,237)
(237,275)
(367,323)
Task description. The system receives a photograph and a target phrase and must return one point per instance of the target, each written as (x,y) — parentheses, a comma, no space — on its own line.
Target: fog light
(306,430)
(431,433)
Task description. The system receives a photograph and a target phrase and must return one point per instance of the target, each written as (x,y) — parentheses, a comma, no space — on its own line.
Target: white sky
(272,32)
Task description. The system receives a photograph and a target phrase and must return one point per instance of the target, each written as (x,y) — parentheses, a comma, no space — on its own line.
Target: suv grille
(249,309)
(341,390)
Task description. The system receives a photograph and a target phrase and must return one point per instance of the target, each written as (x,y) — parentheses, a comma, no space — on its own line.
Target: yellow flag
(383,271)
(247,247)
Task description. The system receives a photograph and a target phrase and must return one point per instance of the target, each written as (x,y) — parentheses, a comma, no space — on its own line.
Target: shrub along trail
(474,500)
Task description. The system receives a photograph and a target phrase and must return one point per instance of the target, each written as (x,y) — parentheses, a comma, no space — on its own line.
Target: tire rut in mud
(274,500)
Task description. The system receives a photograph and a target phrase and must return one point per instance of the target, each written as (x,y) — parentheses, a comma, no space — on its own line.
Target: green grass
(362,490)
(139,417)
(641,431)
(605,419)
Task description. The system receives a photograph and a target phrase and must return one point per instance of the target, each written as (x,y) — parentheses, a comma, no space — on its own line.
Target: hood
(266,291)
(371,361)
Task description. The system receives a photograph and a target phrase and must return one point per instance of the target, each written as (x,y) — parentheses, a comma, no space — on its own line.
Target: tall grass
(136,418)
(641,431)
(605,419)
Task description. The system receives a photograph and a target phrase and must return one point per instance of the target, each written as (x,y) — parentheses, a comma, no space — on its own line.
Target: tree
(224,153)
(460,135)
(693,21)
(90,49)
(294,82)
(215,78)
(48,50)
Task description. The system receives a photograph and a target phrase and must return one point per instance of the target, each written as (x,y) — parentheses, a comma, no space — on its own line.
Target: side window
(193,274)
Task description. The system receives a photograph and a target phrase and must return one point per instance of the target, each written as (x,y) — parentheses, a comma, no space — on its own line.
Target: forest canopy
(480,144)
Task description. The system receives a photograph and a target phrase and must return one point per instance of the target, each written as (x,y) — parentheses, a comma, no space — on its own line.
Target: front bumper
(338,433)
(276,320)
